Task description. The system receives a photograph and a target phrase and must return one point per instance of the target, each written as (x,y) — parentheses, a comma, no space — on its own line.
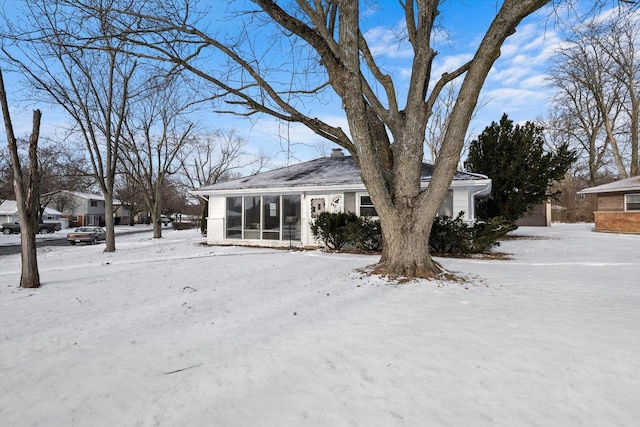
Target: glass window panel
(366,207)
(271,218)
(291,222)
(632,202)
(252,217)
(234,217)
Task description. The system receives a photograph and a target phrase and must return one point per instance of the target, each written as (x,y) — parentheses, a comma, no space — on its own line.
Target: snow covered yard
(175,333)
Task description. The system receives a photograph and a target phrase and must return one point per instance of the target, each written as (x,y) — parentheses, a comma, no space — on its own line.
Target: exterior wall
(350,202)
(8,218)
(462,202)
(82,220)
(611,215)
(609,202)
(215,220)
(539,217)
(618,222)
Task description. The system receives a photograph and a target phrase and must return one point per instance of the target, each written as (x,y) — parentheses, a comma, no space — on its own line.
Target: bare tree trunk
(405,252)
(110,240)
(27,193)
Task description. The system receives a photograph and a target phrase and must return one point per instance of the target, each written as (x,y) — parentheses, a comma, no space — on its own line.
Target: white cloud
(389,41)
(449,63)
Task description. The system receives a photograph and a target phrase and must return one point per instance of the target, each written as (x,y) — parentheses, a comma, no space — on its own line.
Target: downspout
(486,191)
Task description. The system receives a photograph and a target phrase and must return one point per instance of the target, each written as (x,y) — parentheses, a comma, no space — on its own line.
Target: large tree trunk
(406,250)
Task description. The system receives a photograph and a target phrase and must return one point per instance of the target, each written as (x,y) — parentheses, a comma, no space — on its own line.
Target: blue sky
(516,85)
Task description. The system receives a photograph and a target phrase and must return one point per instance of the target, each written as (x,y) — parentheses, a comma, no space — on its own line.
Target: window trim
(627,202)
(359,197)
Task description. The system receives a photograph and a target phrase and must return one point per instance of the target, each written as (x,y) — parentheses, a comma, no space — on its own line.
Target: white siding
(461,200)
(216,219)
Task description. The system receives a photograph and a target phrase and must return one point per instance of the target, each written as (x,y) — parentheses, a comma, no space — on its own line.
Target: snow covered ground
(171,332)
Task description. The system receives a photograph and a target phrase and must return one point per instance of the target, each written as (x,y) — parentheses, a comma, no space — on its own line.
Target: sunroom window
(234,217)
(263,217)
(252,217)
(271,218)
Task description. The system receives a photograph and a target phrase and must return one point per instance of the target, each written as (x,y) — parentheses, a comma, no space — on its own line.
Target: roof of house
(629,184)
(89,196)
(10,207)
(325,171)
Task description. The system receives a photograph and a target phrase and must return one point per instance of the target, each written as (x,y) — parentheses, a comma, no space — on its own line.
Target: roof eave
(322,188)
(594,190)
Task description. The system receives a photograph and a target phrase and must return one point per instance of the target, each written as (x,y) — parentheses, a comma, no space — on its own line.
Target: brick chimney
(336,153)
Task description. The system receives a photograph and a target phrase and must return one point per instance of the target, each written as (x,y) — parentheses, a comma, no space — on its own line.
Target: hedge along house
(275,208)
(618,208)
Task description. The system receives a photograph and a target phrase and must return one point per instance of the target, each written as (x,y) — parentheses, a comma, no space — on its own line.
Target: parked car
(43,227)
(91,235)
(165,220)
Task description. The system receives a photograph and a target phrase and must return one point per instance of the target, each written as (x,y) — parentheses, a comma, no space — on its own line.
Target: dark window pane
(252,217)
(366,207)
(271,218)
(633,202)
(291,217)
(234,217)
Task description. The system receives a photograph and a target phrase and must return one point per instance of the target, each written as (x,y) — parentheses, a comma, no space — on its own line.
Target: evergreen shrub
(334,230)
(450,236)
(365,234)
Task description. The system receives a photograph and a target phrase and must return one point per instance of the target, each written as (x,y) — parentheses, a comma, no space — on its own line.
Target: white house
(9,213)
(275,208)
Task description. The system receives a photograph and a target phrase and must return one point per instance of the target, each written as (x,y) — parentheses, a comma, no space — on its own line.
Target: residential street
(10,245)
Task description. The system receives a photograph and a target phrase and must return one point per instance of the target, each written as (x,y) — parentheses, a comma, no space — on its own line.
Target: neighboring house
(9,213)
(618,208)
(85,208)
(276,208)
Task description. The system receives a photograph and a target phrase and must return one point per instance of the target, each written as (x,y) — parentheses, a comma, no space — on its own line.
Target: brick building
(618,207)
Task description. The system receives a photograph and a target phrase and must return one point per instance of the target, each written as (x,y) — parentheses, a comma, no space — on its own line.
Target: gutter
(477,195)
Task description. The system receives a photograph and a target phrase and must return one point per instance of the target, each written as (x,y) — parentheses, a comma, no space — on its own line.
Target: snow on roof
(629,184)
(10,207)
(90,196)
(326,171)
(87,196)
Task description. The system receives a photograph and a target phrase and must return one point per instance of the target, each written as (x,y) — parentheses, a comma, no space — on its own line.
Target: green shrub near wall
(450,236)
(334,230)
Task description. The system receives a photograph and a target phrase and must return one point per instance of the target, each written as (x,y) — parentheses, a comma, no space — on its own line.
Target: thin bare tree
(157,129)
(93,86)
(27,191)
(216,157)
(439,122)
(596,74)
(129,194)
